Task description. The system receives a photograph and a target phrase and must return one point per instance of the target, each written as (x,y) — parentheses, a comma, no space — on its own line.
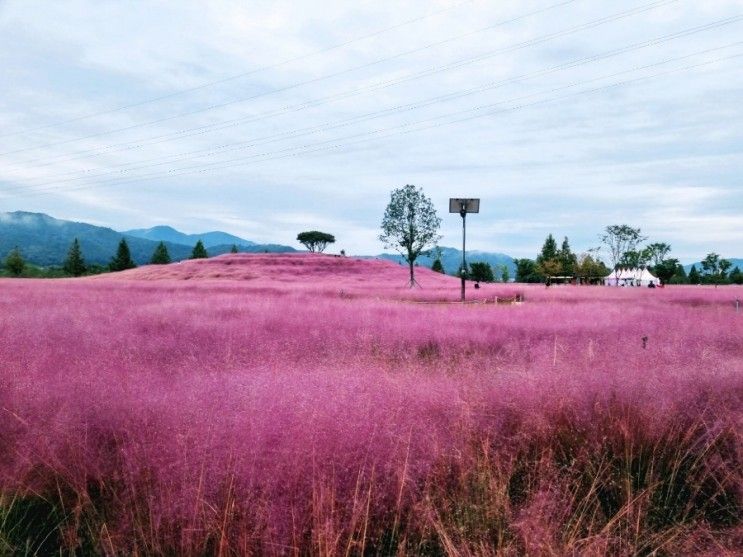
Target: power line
(172,158)
(243,74)
(460,63)
(402,129)
(233,122)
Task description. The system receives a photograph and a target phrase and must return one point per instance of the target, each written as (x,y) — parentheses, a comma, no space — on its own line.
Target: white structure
(631,277)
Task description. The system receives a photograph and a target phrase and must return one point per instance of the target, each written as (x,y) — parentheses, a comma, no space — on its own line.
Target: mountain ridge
(45,241)
(736,262)
(167,233)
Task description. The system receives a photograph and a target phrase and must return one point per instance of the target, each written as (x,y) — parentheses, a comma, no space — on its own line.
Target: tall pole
(464,206)
(463,212)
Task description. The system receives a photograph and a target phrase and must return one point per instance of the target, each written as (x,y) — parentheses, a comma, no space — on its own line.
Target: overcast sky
(264,119)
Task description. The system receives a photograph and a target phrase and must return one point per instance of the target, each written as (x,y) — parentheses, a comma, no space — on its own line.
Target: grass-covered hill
(307,404)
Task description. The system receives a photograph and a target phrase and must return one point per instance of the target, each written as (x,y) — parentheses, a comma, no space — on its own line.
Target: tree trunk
(412,274)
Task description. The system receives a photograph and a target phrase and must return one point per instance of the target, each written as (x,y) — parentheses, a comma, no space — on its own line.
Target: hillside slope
(315,273)
(44,240)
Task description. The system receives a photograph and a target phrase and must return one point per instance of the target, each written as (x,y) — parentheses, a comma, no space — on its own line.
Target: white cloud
(665,151)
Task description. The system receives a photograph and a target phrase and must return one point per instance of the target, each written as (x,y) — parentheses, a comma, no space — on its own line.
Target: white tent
(631,277)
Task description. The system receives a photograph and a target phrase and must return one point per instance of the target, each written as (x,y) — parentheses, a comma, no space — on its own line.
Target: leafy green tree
(410,225)
(590,268)
(549,268)
(123,259)
(160,256)
(315,241)
(736,276)
(620,239)
(15,262)
(505,276)
(233,249)
(666,269)
(75,263)
(438,266)
(715,269)
(634,259)
(694,277)
(526,270)
(711,264)
(725,265)
(481,271)
(199,251)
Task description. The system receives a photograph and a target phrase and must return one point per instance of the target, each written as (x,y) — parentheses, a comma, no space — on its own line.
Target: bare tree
(657,252)
(618,240)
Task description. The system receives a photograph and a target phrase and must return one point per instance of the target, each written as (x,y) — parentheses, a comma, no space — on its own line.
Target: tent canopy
(630,277)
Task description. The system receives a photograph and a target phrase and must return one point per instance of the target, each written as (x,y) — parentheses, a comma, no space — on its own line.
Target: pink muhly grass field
(309,404)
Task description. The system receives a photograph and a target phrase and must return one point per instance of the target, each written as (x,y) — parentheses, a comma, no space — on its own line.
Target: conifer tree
(160,256)
(567,258)
(123,259)
(199,251)
(549,250)
(233,249)
(75,264)
(694,277)
(548,260)
(680,276)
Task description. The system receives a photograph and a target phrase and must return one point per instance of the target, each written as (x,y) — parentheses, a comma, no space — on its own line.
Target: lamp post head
(464,205)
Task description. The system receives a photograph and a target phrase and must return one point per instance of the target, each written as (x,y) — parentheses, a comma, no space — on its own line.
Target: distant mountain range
(45,241)
(170,234)
(451,259)
(734,260)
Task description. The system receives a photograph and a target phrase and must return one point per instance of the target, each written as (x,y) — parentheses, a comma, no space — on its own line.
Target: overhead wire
(398,130)
(233,122)
(460,63)
(290,134)
(246,73)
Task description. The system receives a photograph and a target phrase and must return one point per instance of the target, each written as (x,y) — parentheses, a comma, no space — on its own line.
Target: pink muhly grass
(299,404)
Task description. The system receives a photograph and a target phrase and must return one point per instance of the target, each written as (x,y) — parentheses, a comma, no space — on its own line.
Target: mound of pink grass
(293,405)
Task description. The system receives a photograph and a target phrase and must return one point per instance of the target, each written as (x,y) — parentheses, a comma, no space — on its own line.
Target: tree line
(623,246)
(410,225)
(75,266)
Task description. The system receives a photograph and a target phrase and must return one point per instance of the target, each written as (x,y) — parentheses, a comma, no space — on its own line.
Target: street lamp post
(464,206)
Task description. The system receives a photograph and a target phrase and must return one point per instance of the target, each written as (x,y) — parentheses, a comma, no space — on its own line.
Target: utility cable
(244,74)
(399,130)
(460,63)
(290,134)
